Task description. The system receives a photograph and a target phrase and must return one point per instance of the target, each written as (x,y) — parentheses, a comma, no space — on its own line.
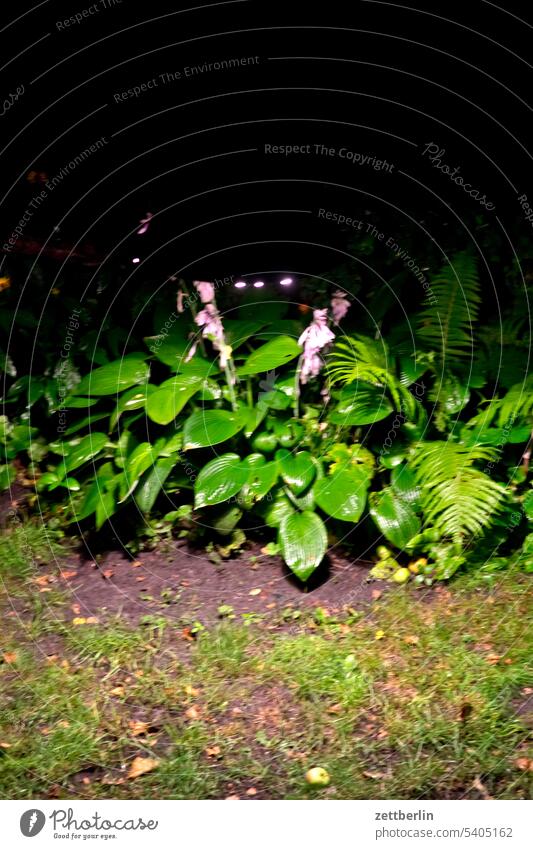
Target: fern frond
(445,325)
(457,499)
(516,406)
(358,358)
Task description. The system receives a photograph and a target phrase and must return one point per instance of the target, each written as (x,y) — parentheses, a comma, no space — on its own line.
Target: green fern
(516,406)
(445,325)
(456,498)
(358,358)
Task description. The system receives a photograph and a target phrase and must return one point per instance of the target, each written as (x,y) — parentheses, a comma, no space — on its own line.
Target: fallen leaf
(140,578)
(136,564)
(140,766)
(108,573)
(137,727)
(212,751)
(86,780)
(411,640)
(76,609)
(42,580)
(379,635)
(335,709)
(525,764)
(232,798)
(480,787)
(79,620)
(5,745)
(187,635)
(376,594)
(255,592)
(117,691)
(527,691)
(191,691)
(10,657)
(251,791)
(376,776)
(493,659)
(192,713)
(68,574)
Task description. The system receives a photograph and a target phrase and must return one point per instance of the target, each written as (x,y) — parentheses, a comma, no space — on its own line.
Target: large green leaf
(303,541)
(261,477)
(142,457)
(361,404)
(164,405)
(133,399)
(88,448)
(210,427)
(297,469)
(152,482)
(274,354)
(238,331)
(343,494)
(274,508)
(219,480)
(405,485)
(396,520)
(114,377)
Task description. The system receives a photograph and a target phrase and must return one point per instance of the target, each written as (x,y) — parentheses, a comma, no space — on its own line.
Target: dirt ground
(183,584)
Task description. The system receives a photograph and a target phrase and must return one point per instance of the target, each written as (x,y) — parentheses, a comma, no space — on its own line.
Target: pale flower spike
(205,290)
(314,338)
(339,306)
(145,223)
(179,302)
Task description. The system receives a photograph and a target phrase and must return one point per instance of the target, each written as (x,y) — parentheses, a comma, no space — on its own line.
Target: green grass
(415,699)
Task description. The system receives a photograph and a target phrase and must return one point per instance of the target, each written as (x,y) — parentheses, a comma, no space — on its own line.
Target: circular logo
(32,822)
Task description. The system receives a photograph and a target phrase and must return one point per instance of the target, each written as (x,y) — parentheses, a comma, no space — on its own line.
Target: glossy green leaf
(89,447)
(261,477)
(114,377)
(219,480)
(274,354)
(404,484)
(164,405)
(343,494)
(152,482)
(361,404)
(7,476)
(132,399)
(226,521)
(210,427)
(141,459)
(274,508)
(74,403)
(85,422)
(96,492)
(296,468)
(396,520)
(303,541)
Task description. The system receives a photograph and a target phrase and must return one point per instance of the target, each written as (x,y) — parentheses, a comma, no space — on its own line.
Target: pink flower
(205,290)
(209,320)
(145,223)
(314,338)
(179,301)
(339,306)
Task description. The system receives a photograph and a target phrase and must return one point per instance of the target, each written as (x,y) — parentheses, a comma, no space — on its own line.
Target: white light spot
(240,284)
(136,259)
(286,281)
(259,284)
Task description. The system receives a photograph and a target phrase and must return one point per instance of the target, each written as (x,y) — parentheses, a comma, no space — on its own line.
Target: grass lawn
(410,697)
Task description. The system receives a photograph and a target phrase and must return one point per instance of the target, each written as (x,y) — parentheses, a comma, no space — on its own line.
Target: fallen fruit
(317,776)
(401,575)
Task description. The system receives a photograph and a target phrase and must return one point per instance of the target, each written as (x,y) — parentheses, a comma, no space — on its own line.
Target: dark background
(380,79)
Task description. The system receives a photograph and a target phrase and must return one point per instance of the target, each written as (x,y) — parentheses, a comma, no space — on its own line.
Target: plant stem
(296,405)
(249,393)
